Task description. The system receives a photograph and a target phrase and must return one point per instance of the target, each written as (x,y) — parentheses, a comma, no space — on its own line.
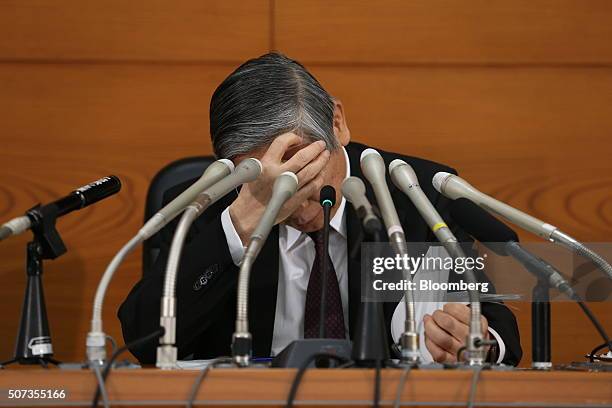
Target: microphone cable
(400,387)
(107,367)
(302,370)
(203,373)
(474,384)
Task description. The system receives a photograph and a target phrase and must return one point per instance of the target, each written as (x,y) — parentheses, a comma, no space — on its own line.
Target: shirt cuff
(234,243)
(500,345)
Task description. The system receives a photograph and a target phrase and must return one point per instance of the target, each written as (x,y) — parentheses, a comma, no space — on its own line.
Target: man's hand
(306,163)
(446,331)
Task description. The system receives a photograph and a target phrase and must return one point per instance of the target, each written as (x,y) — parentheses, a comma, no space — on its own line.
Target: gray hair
(264,98)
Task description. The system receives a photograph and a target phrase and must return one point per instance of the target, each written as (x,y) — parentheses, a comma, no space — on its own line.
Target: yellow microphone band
(438,226)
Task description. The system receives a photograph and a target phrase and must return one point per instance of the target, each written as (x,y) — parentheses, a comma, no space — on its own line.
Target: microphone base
(166,357)
(298,351)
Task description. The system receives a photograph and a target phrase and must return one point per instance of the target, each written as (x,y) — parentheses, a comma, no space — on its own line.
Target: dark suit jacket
(207,279)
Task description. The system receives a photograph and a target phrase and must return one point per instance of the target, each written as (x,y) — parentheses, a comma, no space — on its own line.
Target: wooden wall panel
(66,125)
(445,31)
(516,96)
(191,30)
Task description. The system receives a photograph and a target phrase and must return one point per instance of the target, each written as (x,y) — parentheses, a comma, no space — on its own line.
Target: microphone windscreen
(327,196)
(481,225)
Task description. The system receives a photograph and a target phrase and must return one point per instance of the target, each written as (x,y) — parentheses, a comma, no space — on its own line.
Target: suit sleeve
(206,281)
(499,317)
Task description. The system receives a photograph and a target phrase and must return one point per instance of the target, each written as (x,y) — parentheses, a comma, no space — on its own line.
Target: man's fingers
(312,169)
(452,326)
(304,156)
(439,355)
(440,337)
(279,146)
(459,311)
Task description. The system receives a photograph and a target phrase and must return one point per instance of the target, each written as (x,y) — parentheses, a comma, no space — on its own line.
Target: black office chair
(171,175)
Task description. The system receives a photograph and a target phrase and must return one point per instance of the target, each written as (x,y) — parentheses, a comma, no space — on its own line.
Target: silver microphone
(96,338)
(354,191)
(213,173)
(248,170)
(373,168)
(404,177)
(455,187)
(284,188)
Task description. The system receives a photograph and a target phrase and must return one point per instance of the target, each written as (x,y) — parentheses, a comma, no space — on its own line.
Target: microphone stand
(33,345)
(540,326)
(299,351)
(371,348)
(324,267)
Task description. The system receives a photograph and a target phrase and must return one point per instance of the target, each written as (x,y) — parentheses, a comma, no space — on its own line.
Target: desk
(348,387)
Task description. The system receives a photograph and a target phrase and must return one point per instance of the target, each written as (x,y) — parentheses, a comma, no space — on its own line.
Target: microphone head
(327,196)
(285,183)
(352,189)
(249,169)
(481,225)
(98,190)
(218,169)
(401,172)
(372,166)
(439,179)
(228,163)
(368,152)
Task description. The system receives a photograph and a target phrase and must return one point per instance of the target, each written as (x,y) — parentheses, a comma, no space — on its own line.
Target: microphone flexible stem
(399,245)
(475,351)
(96,320)
(96,339)
(189,216)
(581,249)
(242,317)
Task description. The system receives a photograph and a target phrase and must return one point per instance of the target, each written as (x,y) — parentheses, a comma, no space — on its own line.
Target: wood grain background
(516,95)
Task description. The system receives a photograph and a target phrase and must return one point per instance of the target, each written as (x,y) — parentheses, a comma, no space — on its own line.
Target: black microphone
(79,198)
(502,240)
(487,229)
(327,199)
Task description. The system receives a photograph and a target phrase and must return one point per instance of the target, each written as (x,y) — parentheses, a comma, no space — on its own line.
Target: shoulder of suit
(422,167)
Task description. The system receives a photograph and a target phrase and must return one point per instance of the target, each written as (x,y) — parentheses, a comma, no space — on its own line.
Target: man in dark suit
(273,109)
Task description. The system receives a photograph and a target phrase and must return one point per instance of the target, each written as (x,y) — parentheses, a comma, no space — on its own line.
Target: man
(273,109)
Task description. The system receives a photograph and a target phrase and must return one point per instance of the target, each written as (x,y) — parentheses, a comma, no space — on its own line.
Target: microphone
(96,338)
(80,198)
(455,187)
(284,188)
(354,191)
(373,168)
(248,170)
(370,340)
(213,173)
(404,177)
(487,229)
(327,199)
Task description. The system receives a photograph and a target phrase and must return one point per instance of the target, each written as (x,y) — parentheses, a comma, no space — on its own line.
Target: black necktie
(334,319)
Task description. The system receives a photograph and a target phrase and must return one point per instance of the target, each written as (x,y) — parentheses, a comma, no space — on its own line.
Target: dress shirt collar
(338,221)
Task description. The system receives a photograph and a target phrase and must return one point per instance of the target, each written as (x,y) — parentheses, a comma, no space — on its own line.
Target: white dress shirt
(297,254)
